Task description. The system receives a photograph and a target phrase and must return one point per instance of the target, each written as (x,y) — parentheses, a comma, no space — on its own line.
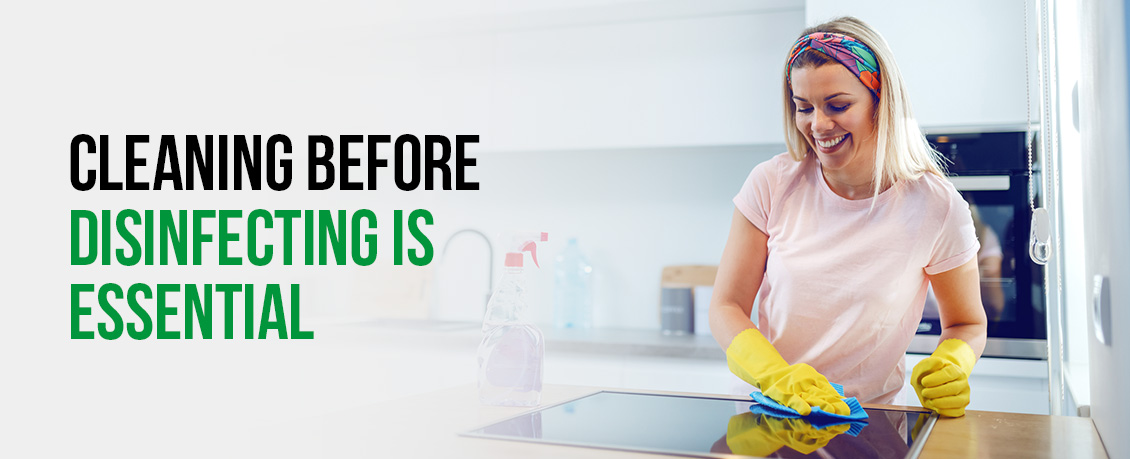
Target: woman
(839,238)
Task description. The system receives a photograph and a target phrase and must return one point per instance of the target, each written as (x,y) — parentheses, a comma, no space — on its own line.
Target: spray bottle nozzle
(525,242)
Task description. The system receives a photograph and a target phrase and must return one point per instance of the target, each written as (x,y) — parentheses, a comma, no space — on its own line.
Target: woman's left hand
(942,380)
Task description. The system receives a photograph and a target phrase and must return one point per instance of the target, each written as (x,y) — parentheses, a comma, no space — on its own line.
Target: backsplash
(632,212)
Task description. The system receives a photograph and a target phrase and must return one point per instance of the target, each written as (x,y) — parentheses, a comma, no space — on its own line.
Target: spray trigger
(532,247)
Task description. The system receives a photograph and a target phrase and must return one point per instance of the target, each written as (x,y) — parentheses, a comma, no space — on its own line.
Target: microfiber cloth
(818,418)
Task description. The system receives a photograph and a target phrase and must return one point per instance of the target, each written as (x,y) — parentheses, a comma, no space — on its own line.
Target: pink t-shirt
(844,284)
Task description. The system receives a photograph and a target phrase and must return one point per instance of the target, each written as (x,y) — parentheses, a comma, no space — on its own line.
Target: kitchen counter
(428,425)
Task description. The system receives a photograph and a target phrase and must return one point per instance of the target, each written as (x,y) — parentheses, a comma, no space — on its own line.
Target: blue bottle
(572,288)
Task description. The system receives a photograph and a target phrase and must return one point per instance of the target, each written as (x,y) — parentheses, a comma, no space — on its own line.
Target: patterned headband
(848,51)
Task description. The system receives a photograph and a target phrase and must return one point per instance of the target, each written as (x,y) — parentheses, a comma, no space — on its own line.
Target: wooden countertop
(428,426)
(994,434)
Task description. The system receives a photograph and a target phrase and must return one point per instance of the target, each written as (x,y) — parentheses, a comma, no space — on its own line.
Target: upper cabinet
(597,74)
(963,60)
(699,77)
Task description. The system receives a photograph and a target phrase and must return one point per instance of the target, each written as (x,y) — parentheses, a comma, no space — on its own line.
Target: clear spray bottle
(512,351)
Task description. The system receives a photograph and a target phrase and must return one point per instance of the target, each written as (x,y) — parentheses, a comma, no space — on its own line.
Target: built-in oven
(990,170)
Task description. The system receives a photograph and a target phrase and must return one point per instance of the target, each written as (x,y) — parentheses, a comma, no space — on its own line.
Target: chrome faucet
(490,259)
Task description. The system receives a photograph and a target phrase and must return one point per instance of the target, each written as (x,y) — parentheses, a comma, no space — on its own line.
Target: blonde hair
(901,149)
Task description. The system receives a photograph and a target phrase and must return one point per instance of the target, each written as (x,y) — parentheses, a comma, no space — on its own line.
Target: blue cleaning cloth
(818,418)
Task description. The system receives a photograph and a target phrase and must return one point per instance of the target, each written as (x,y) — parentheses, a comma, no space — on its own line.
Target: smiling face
(836,114)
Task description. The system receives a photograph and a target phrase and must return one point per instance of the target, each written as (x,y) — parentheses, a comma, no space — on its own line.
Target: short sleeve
(754,198)
(957,242)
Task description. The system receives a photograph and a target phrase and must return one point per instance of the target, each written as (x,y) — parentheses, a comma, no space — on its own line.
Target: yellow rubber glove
(760,435)
(942,379)
(799,386)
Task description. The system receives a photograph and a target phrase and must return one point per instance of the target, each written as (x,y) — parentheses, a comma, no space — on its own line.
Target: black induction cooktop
(706,427)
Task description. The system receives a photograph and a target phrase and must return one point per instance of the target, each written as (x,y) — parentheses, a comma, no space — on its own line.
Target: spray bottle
(512,352)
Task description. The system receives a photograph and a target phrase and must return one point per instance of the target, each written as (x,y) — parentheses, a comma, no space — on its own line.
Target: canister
(676,310)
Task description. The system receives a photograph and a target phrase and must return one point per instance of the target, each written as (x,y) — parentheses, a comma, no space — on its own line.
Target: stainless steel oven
(990,169)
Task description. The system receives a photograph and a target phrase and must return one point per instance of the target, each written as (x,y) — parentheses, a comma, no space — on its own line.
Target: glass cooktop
(707,427)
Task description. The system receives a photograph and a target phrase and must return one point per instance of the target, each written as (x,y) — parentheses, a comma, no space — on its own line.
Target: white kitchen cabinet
(685,80)
(591,75)
(963,60)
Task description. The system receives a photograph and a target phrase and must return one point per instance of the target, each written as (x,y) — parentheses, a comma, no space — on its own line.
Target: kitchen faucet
(490,259)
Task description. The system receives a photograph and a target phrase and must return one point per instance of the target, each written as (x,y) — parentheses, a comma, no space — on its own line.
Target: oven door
(1011,284)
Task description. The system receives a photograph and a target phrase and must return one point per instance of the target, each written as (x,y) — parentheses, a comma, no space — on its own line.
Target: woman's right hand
(801,387)
(750,356)
(798,386)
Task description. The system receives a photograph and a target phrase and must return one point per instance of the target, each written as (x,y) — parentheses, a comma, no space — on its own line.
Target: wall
(1104,121)
(633,212)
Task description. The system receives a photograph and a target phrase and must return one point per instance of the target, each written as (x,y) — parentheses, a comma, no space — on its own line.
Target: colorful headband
(848,51)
